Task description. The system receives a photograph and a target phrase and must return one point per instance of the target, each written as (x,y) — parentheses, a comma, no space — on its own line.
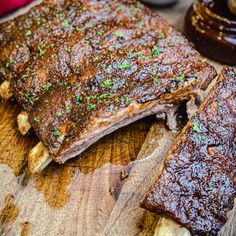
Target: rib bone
(23,122)
(38,158)
(168,227)
(5,91)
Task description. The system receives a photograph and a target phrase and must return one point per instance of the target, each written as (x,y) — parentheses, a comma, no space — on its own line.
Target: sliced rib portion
(197,184)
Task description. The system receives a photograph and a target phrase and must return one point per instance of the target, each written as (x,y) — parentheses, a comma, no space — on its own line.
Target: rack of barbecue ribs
(82,69)
(197,186)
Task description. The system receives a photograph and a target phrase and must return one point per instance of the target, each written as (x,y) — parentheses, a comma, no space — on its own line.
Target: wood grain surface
(97,193)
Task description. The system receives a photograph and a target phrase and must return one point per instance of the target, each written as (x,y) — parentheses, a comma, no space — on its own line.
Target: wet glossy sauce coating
(197,185)
(211,26)
(94,59)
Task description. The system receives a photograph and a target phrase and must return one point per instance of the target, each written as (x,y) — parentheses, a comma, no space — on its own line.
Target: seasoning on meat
(91,67)
(197,185)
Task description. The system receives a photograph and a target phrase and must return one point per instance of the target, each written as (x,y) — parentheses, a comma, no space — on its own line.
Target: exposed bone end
(38,158)
(232,6)
(167,227)
(5,90)
(23,122)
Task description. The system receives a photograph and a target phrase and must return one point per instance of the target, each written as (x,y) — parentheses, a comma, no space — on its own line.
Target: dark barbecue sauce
(212,28)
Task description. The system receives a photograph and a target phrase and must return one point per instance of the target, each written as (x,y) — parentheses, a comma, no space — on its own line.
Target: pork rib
(103,65)
(197,184)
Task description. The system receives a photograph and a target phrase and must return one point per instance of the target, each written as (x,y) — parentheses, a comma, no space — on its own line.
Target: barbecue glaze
(211,26)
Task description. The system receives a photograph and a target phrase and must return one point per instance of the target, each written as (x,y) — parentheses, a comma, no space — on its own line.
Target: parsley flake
(56,133)
(68,108)
(28,33)
(139,56)
(47,86)
(102,96)
(9,63)
(180,78)
(37,119)
(196,128)
(155,80)
(106,83)
(118,34)
(41,49)
(58,113)
(66,24)
(155,51)
(124,65)
(90,107)
(77,99)
(24,77)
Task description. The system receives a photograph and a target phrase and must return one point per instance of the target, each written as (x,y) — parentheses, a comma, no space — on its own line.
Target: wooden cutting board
(97,193)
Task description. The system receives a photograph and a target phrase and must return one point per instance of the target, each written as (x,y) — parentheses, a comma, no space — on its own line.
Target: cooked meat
(101,66)
(197,184)
(53,23)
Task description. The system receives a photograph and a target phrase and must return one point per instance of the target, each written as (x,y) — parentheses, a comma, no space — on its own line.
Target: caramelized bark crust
(74,65)
(197,184)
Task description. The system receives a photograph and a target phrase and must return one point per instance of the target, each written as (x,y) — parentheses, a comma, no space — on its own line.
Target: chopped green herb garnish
(66,24)
(24,77)
(119,8)
(139,56)
(56,133)
(37,119)
(68,108)
(96,59)
(90,107)
(135,10)
(28,33)
(155,51)
(58,113)
(29,97)
(155,80)
(102,96)
(196,128)
(47,86)
(106,83)
(9,63)
(88,98)
(127,99)
(124,65)
(111,49)
(41,49)
(170,42)
(118,34)
(117,99)
(180,78)
(77,99)
(140,25)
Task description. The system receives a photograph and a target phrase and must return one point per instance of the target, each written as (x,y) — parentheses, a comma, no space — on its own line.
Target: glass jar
(211,26)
